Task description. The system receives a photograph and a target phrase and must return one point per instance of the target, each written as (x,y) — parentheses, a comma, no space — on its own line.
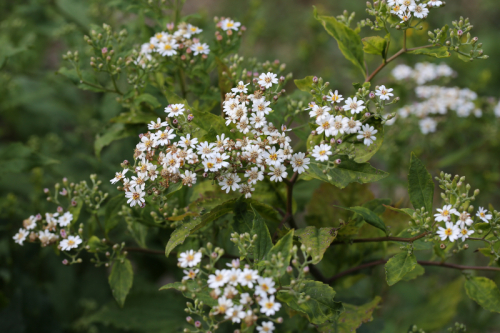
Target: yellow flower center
(323,152)
(71,242)
(135,196)
(230,24)
(210,165)
(269,305)
(464,231)
(446,213)
(167,47)
(448,232)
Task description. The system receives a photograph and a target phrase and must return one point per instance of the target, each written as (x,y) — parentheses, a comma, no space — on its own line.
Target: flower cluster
(423,72)
(164,157)
(236,291)
(406,9)
(172,43)
(457,223)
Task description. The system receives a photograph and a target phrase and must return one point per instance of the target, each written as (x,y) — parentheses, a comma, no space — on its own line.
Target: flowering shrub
(216,166)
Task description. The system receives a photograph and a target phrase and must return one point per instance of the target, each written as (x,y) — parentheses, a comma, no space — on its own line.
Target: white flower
(269,306)
(261,106)
(299,162)
(46,237)
(352,126)
(266,286)
(321,152)
(229,24)
(339,125)
(258,120)
(452,232)
(188,178)
(148,48)
(254,175)
(159,124)
(119,176)
(189,259)
(146,143)
(367,134)
(407,4)
(435,3)
(278,172)
(427,125)
(247,190)
(159,37)
(245,298)
(168,48)
(20,237)
(30,223)
(483,215)
(174,110)
(267,80)
(221,140)
(220,160)
(235,263)
(236,313)
(219,279)
(135,196)
(230,182)
(199,48)
(445,213)
(191,274)
(402,72)
(384,93)
(464,219)
(248,277)
(318,111)
(233,275)
(267,327)
(71,242)
(65,219)
(205,149)
(193,30)
(273,157)
(210,165)
(240,88)
(465,233)
(325,124)
(354,105)
(224,305)
(140,180)
(334,97)
(420,10)
(186,142)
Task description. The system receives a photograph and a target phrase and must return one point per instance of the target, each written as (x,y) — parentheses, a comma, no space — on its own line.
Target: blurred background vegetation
(48,127)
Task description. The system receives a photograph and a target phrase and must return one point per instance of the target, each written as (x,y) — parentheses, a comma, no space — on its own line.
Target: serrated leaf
(398,266)
(352,317)
(418,271)
(283,246)
(484,292)
(436,52)
(316,239)
(369,216)
(347,39)
(264,243)
(319,308)
(345,173)
(180,234)
(113,206)
(120,280)
(147,99)
(420,185)
(305,84)
(374,45)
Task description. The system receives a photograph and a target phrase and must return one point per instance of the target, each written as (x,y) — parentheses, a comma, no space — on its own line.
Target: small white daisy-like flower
(367,134)
(30,223)
(321,152)
(224,305)
(193,30)
(269,306)
(353,105)
(278,172)
(159,124)
(119,176)
(261,106)
(228,24)
(135,196)
(384,93)
(191,274)
(352,126)
(21,235)
(65,219)
(159,37)
(46,237)
(266,327)
(427,125)
(339,125)
(420,10)
(266,286)
(325,124)
(267,80)
(230,182)
(236,313)
(69,243)
(233,275)
(300,162)
(188,178)
(247,190)
(168,48)
(465,233)
(334,97)
(219,279)
(199,48)
(435,3)
(319,111)
(240,88)
(452,232)
(187,142)
(174,110)
(254,175)
(210,165)
(464,219)
(407,5)
(444,214)
(483,215)
(245,298)
(248,277)
(205,149)
(189,259)
(235,263)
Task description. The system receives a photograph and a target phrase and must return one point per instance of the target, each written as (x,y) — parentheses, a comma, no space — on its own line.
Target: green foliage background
(48,127)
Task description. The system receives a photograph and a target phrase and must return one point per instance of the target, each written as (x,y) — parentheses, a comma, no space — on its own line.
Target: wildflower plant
(215,165)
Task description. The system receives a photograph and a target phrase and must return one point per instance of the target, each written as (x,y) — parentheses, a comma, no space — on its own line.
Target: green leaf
(120,280)
(190,289)
(369,216)
(364,153)
(345,173)
(352,317)
(348,40)
(134,118)
(115,132)
(463,57)
(319,308)
(407,211)
(398,266)
(420,185)
(436,52)
(484,291)
(316,239)
(95,244)
(147,99)
(180,234)
(283,246)
(418,271)
(75,210)
(264,243)
(305,84)
(113,207)
(374,45)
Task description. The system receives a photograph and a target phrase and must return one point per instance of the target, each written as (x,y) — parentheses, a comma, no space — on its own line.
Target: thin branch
(383,239)
(421,262)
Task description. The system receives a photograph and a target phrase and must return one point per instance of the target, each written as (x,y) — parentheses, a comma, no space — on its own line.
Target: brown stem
(383,239)
(421,262)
